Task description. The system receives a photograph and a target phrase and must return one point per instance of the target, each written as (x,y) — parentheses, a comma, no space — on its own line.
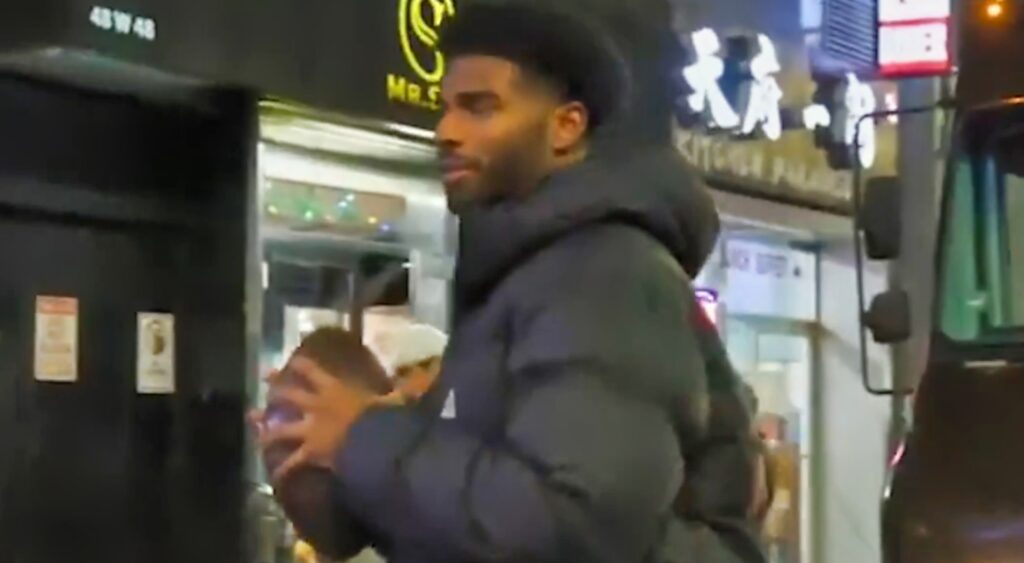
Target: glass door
(775,360)
(350,286)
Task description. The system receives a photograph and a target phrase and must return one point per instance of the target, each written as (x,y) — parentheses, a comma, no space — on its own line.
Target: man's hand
(329,406)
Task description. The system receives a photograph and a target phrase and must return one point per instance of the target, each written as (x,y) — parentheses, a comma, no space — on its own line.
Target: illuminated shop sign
(755,108)
(913,37)
(123,23)
(840,115)
(706,100)
(419,22)
(761,95)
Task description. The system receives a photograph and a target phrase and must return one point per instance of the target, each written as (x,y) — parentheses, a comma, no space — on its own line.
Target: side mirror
(880,219)
(888,318)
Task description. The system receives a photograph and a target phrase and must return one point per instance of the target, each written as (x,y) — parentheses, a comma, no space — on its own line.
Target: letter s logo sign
(418,25)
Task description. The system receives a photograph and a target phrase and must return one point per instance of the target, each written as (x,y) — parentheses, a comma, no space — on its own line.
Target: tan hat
(408,345)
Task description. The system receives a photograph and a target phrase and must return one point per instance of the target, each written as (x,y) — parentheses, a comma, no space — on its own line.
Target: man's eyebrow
(475,96)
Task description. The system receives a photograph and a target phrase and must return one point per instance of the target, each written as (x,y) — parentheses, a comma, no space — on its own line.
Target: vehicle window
(982,291)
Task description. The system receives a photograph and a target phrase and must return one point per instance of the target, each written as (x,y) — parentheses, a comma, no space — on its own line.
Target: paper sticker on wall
(56,358)
(155,368)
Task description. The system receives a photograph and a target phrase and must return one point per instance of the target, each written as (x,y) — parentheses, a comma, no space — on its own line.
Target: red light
(708,300)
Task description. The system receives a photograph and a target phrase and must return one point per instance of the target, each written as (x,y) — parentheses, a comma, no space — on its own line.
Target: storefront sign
(786,171)
(760,95)
(373,60)
(756,107)
(706,101)
(913,37)
(419,22)
(841,117)
(376,60)
(770,281)
(123,23)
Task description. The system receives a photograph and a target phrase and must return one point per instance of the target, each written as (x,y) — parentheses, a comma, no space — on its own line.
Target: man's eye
(483,107)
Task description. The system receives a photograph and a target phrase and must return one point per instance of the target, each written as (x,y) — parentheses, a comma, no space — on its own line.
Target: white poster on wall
(155,354)
(56,346)
(769,280)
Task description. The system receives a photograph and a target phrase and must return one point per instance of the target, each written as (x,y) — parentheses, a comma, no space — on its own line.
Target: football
(308,494)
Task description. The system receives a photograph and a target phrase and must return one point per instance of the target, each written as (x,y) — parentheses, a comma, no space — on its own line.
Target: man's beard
(515,172)
(511,172)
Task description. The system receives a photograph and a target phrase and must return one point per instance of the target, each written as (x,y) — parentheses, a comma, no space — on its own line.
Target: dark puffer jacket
(575,388)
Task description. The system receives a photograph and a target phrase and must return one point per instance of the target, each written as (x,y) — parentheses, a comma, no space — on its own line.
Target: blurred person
(780,529)
(577,382)
(764,478)
(412,354)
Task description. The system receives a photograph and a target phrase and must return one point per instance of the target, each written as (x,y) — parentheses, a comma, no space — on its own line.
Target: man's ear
(569,130)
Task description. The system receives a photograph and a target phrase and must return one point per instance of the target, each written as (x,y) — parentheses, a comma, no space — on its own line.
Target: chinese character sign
(855,101)
(753,106)
(760,96)
(706,98)
(848,103)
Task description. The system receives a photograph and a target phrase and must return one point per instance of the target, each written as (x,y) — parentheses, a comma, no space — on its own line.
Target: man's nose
(447,147)
(446,133)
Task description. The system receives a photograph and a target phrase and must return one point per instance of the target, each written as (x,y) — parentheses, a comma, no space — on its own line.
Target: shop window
(354,213)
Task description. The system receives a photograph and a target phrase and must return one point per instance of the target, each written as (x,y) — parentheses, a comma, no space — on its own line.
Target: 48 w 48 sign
(123,23)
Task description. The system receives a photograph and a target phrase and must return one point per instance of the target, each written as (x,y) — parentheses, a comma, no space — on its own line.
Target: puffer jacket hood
(654,190)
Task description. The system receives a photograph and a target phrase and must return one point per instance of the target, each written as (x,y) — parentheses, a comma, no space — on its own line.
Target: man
(574,383)
(764,483)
